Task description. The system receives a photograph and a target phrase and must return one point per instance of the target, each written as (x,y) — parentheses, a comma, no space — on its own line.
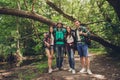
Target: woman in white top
(51,40)
(70,49)
(49,47)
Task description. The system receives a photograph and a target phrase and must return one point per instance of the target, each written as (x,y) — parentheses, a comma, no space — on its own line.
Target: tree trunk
(104,42)
(26,14)
(17,30)
(116,5)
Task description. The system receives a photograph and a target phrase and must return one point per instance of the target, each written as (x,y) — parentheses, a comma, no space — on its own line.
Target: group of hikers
(60,38)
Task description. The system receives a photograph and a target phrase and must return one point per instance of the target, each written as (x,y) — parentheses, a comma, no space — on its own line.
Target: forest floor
(103,67)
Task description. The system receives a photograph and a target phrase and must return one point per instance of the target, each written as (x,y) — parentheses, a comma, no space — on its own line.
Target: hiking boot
(89,71)
(70,70)
(50,71)
(83,70)
(73,71)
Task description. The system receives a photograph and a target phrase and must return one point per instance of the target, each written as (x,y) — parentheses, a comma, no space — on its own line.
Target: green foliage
(97,51)
(42,66)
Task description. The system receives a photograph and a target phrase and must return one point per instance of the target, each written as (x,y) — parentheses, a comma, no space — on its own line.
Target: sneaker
(50,71)
(83,70)
(56,69)
(73,71)
(89,71)
(70,70)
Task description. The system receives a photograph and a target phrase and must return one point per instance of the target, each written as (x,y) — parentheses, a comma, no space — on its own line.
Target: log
(26,14)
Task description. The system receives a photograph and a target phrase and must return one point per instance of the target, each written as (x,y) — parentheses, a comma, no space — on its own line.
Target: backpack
(88,40)
(59,35)
(75,41)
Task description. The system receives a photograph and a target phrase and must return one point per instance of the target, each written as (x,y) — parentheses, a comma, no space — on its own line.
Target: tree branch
(33,5)
(59,10)
(95,22)
(71,18)
(25,4)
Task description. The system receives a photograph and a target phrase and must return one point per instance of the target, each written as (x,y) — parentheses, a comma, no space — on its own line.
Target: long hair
(69,33)
(51,32)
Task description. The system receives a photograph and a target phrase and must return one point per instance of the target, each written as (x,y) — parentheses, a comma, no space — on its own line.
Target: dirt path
(103,68)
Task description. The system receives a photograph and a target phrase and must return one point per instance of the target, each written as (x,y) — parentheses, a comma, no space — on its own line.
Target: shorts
(50,48)
(82,49)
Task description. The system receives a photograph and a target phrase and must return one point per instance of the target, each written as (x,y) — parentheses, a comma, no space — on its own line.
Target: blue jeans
(82,49)
(71,52)
(59,55)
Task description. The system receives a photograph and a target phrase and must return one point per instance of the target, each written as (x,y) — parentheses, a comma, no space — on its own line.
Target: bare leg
(49,59)
(52,52)
(87,62)
(82,62)
(83,65)
(88,65)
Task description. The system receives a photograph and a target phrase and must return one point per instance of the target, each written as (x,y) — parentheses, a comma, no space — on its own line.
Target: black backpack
(75,41)
(88,40)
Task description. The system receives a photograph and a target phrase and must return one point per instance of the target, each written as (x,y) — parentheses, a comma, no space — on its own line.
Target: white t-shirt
(70,39)
(52,39)
(78,36)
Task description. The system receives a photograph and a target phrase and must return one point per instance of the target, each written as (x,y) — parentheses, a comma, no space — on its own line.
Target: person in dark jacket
(70,39)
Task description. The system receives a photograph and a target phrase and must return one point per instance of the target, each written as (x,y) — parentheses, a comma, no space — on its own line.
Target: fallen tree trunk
(26,14)
(104,42)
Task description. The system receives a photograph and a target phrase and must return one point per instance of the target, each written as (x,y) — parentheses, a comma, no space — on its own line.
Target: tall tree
(18,51)
(116,6)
